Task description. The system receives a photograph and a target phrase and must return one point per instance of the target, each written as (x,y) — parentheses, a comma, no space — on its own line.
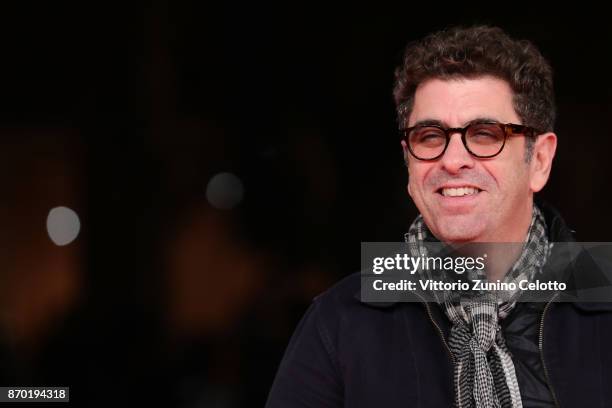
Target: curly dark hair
(461,52)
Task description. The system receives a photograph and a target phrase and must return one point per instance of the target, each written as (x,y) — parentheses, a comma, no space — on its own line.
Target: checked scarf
(484,374)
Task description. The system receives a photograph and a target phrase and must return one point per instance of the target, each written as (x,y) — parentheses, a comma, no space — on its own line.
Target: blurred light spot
(63,225)
(224,191)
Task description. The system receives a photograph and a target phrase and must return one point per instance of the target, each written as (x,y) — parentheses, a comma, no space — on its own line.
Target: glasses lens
(427,142)
(485,139)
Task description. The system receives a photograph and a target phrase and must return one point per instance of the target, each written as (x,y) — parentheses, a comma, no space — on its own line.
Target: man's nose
(456,156)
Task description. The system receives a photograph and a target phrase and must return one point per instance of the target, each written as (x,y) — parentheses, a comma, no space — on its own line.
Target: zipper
(540,346)
(440,333)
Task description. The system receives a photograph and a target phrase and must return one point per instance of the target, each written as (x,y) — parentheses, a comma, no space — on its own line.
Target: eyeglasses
(481,139)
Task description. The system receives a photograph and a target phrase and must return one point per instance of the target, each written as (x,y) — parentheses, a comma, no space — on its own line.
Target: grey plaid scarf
(484,374)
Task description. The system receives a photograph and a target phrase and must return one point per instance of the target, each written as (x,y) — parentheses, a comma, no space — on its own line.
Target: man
(476,110)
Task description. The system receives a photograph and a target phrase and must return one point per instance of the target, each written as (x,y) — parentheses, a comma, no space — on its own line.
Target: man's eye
(430,137)
(484,134)
(486,137)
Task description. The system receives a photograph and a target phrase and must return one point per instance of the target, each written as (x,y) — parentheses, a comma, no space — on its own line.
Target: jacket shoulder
(344,292)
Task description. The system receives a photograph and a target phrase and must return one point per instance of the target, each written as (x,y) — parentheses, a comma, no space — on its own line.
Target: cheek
(512,173)
(414,179)
(511,179)
(410,186)
(417,175)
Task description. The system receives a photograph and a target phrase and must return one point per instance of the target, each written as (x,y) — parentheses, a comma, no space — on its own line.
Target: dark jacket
(346,353)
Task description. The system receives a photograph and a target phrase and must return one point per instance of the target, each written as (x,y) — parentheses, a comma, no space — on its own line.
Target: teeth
(458,192)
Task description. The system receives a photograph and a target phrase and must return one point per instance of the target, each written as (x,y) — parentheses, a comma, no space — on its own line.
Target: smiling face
(463,198)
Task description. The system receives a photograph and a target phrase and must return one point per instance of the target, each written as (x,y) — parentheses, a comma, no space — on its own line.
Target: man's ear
(406,153)
(544,149)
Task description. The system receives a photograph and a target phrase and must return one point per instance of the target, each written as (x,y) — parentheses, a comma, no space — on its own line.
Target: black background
(124,112)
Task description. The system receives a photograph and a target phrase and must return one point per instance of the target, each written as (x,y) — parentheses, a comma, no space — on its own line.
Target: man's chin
(458,229)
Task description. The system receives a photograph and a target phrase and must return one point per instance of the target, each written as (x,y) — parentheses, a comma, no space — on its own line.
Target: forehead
(456,102)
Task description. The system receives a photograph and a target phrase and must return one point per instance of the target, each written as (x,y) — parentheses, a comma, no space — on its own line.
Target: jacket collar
(558,231)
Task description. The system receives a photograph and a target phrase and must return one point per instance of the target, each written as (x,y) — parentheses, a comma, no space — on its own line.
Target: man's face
(497,204)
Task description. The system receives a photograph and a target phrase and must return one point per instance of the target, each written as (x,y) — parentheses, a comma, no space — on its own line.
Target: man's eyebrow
(435,122)
(429,122)
(482,120)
